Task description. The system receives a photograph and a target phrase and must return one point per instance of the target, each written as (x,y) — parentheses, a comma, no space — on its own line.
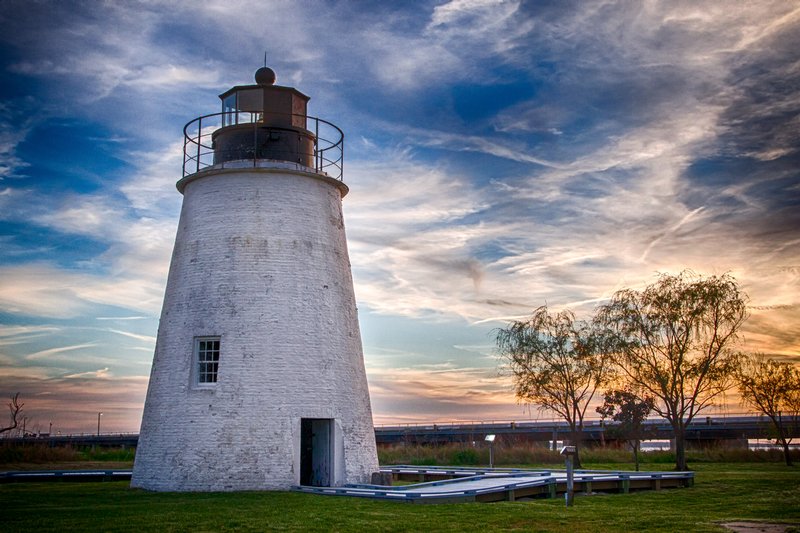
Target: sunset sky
(500,155)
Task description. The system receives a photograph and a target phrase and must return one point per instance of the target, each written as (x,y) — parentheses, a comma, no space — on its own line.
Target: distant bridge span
(702,430)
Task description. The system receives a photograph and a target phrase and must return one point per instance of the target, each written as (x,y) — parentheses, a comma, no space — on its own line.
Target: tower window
(206,350)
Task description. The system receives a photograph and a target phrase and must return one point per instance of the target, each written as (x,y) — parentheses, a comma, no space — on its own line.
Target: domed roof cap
(265,76)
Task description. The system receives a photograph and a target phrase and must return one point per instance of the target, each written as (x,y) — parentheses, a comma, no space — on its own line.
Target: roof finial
(265,75)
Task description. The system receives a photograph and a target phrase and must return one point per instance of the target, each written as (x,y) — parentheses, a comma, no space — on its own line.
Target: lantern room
(280,115)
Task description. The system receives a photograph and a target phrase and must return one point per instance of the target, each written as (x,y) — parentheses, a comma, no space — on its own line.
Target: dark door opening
(316,447)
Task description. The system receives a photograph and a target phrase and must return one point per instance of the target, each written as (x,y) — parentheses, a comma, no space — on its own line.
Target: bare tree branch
(15,408)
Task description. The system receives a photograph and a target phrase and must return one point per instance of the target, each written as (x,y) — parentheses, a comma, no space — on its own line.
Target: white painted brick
(260,260)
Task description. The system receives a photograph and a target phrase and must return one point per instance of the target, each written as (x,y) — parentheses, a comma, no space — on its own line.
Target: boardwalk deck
(440,484)
(65,475)
(488,485)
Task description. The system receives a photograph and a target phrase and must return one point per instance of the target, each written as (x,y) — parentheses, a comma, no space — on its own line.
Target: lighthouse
(258,377)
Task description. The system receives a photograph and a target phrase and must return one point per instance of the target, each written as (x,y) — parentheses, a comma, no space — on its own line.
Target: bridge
(704,430)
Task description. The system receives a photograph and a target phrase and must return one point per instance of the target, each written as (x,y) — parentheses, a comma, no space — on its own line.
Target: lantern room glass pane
(229,110)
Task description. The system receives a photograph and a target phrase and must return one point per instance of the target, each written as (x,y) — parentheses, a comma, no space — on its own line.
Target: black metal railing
(324,153)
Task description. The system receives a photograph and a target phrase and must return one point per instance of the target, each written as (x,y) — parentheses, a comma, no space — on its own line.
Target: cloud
(40,289)
(17,118)
(45,354)
(102,373)
(145,338)
(627,199)
(71,402)
(441,392)
(515,154)
(102,60)
(136,229)
(471,12)
(151,186)
(505,148)
(20,334)
(87,215)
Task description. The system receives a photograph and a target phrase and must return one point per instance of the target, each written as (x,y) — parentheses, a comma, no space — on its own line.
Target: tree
(556,363)
(15,408)
(772,388)
(629,411)
(674,340)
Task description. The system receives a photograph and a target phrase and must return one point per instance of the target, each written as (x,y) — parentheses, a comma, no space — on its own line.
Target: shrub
(36,453)
(522,453)
(465,457)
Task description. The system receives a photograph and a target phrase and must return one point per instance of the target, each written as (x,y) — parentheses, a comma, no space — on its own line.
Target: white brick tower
(258,375)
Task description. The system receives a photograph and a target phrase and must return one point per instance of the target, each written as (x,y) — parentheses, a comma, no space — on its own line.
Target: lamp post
(98,423)
(569,452)
(490,440)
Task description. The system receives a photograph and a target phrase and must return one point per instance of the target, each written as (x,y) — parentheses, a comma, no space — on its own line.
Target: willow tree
(557,364)
(773,389)
(675,340)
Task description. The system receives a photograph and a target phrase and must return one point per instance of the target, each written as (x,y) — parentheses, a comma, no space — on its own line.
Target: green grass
(723,492)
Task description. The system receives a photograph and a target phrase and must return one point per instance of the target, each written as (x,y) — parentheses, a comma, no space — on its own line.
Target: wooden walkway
(452,485)
(440,484)
(27,476)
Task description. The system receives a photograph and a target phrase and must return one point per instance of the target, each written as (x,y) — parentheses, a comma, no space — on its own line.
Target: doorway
(316,452)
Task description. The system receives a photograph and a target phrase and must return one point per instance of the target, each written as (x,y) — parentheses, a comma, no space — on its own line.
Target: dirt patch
(760,527)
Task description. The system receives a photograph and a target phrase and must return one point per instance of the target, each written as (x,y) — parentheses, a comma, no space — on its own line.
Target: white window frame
(205,361)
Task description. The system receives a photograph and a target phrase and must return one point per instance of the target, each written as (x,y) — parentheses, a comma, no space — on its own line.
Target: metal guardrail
(199,151)
(103,440)
(552,421)
(714,427)
(701,429)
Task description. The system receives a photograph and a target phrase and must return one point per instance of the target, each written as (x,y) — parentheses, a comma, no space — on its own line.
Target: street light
(569,452)
(98,423)
(490,440)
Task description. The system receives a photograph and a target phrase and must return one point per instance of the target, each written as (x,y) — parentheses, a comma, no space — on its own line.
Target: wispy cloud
(146,338)
(444,392)
(41,289)
(71,402)
(102,373)
(20,334)
(44,354)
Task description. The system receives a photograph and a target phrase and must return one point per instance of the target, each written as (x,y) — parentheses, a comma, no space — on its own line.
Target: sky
(501,155)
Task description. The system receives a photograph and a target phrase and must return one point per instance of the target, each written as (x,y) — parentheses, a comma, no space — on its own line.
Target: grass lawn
(723,492)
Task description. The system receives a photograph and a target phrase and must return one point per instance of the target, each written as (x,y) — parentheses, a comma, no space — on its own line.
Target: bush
(521,453)
(36,453)
(42,452)
(109,454)
(465,457)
